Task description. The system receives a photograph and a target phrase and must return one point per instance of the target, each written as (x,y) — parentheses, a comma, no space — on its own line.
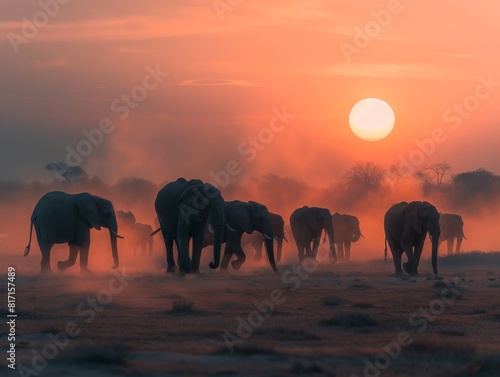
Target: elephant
(406,226)
(140,239)
(59,217)
(125,219)
(137,234)
(307,224)
(184,208)
(256,239)
(346,228)
(243,217)
(452,227)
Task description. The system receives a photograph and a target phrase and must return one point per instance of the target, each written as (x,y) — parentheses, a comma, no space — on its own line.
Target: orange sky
(226,77)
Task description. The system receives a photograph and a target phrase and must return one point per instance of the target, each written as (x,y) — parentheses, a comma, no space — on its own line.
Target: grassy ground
(338,321)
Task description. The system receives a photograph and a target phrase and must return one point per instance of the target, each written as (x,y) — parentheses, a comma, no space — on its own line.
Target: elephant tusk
(361,235)
(268,237)
(285,239)
(210,228)
(231,229)
(116,234)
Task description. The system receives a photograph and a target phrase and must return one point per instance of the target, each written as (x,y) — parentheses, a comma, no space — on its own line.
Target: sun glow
(371,119)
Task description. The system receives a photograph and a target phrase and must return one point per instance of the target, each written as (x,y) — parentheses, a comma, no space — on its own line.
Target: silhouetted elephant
(452,227)
(406,225)
(307,223)
(140,238)
(184,208)
(242,217)
(257,239)
(346,228)
(137,234)
(64,218)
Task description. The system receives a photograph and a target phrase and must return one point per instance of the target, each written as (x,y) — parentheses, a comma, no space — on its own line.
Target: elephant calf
(64,218)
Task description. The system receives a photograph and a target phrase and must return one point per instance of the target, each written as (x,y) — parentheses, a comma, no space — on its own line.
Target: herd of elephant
(193,214)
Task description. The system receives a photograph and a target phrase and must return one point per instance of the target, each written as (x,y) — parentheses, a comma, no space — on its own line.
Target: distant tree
(365,175)
(472,183)
(436,175)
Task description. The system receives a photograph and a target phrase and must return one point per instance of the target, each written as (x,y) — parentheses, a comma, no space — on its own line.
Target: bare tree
(436,175)
(366,175)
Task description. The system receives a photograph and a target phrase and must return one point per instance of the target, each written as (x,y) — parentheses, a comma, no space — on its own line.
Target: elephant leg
(340,254)
(396,256)
(300,252)
(84,258)
(348,250)
(45,263)
(228,254)
(309,251)
(418,253)
(459,244)
(184,260)
(197,247)
(258,250)
(234,241)
(315,247)
(169,251)
(73,253)
(450,245)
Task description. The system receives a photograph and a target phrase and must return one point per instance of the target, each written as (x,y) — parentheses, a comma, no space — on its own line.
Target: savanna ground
(334,321)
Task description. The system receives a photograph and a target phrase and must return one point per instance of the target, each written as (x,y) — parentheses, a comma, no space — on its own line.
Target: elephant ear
(240,216)
(89,210)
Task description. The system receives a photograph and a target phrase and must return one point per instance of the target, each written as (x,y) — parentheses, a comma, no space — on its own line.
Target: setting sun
(371,119)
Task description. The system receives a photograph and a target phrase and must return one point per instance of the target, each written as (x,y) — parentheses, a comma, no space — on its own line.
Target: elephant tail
(156,231)
(465,238)
(27,249)
(385,251)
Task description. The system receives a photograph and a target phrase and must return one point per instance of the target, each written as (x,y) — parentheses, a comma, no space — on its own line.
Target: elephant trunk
(217,222)
(280,248)
(459,244)
(331,240)
(114,250)
(113,236)
(435,245)
(269,242)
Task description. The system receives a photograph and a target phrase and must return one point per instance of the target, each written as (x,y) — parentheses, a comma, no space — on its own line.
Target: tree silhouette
(436,175)
(365,175)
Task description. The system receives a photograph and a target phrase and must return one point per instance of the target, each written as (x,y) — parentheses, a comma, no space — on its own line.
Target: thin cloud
(208,82)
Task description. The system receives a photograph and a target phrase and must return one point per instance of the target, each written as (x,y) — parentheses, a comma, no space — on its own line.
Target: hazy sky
(227,75)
